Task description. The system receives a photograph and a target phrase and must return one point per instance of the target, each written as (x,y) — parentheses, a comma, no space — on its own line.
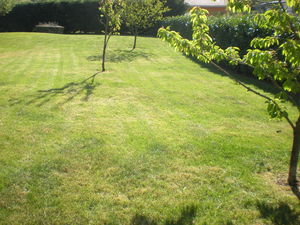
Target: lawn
(157,139)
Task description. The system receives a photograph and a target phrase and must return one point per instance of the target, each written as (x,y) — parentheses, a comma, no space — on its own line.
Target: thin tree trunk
(104,46)
(134,42)
(292,179)
(103,53)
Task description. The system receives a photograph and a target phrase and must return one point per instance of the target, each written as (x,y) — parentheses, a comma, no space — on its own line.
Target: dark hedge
(80,17)
(226,30)
(74,16)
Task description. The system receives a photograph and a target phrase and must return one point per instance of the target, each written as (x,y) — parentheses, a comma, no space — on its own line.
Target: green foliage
(73,16)
(295,4)
(6,6)
(177,7)
(235,30)
(267,63)
(142,14)
(180,24)
(225,30)
(111,12)
(111,15)
(239,5)
(275,57)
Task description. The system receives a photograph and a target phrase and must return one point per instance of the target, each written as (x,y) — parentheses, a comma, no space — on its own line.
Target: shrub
(177,7)
(235,30)
(75,16)
(180,24)
(226,30)
(6,6)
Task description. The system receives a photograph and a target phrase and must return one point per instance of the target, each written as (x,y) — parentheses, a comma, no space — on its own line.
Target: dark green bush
(75,16)
(177,7)
(235,30)
(180,24)
(226,30)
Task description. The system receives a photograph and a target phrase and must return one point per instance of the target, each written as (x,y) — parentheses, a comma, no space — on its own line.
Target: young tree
(275,57)
(142,14)
(111,11)
(6,6)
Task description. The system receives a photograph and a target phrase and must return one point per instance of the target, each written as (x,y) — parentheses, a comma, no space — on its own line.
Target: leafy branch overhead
(275,58)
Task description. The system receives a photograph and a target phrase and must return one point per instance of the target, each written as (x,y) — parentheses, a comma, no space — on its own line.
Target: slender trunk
(104,46)
(292,179)
(103,53)
(134,42)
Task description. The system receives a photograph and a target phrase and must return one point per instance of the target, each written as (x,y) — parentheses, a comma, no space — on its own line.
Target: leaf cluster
(142,14)
(111,15)
(6,6)
(275,57)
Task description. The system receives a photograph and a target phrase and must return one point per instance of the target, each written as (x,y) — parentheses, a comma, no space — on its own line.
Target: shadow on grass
(248,79)
(187,216)
(120,56)
(281,214)
(69,91)
(245,78)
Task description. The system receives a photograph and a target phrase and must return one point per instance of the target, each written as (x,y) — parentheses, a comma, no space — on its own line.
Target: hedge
(226,30)
(74,16)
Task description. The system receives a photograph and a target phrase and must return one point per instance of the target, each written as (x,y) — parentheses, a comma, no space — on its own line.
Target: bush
(75,16)
(178,7)
(235,30)
(6,6)
(180,24)
(226,30)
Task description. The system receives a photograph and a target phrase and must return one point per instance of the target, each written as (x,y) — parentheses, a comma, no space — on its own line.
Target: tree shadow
(187,216)
(247,79)
(69,91)
(121,55)
(281,214)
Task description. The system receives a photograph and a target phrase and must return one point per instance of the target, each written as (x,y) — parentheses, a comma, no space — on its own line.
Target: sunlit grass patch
(157,139)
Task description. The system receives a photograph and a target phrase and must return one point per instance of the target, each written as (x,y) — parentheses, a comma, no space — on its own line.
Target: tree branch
(239,82)
(252,90)
(273,82)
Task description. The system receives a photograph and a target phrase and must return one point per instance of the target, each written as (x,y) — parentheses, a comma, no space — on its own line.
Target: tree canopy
(6,6)
(142,14)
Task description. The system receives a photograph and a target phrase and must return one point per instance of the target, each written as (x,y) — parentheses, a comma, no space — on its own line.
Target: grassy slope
(157,138)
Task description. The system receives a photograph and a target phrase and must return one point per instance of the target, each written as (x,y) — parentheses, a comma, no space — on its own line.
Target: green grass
(157,139)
